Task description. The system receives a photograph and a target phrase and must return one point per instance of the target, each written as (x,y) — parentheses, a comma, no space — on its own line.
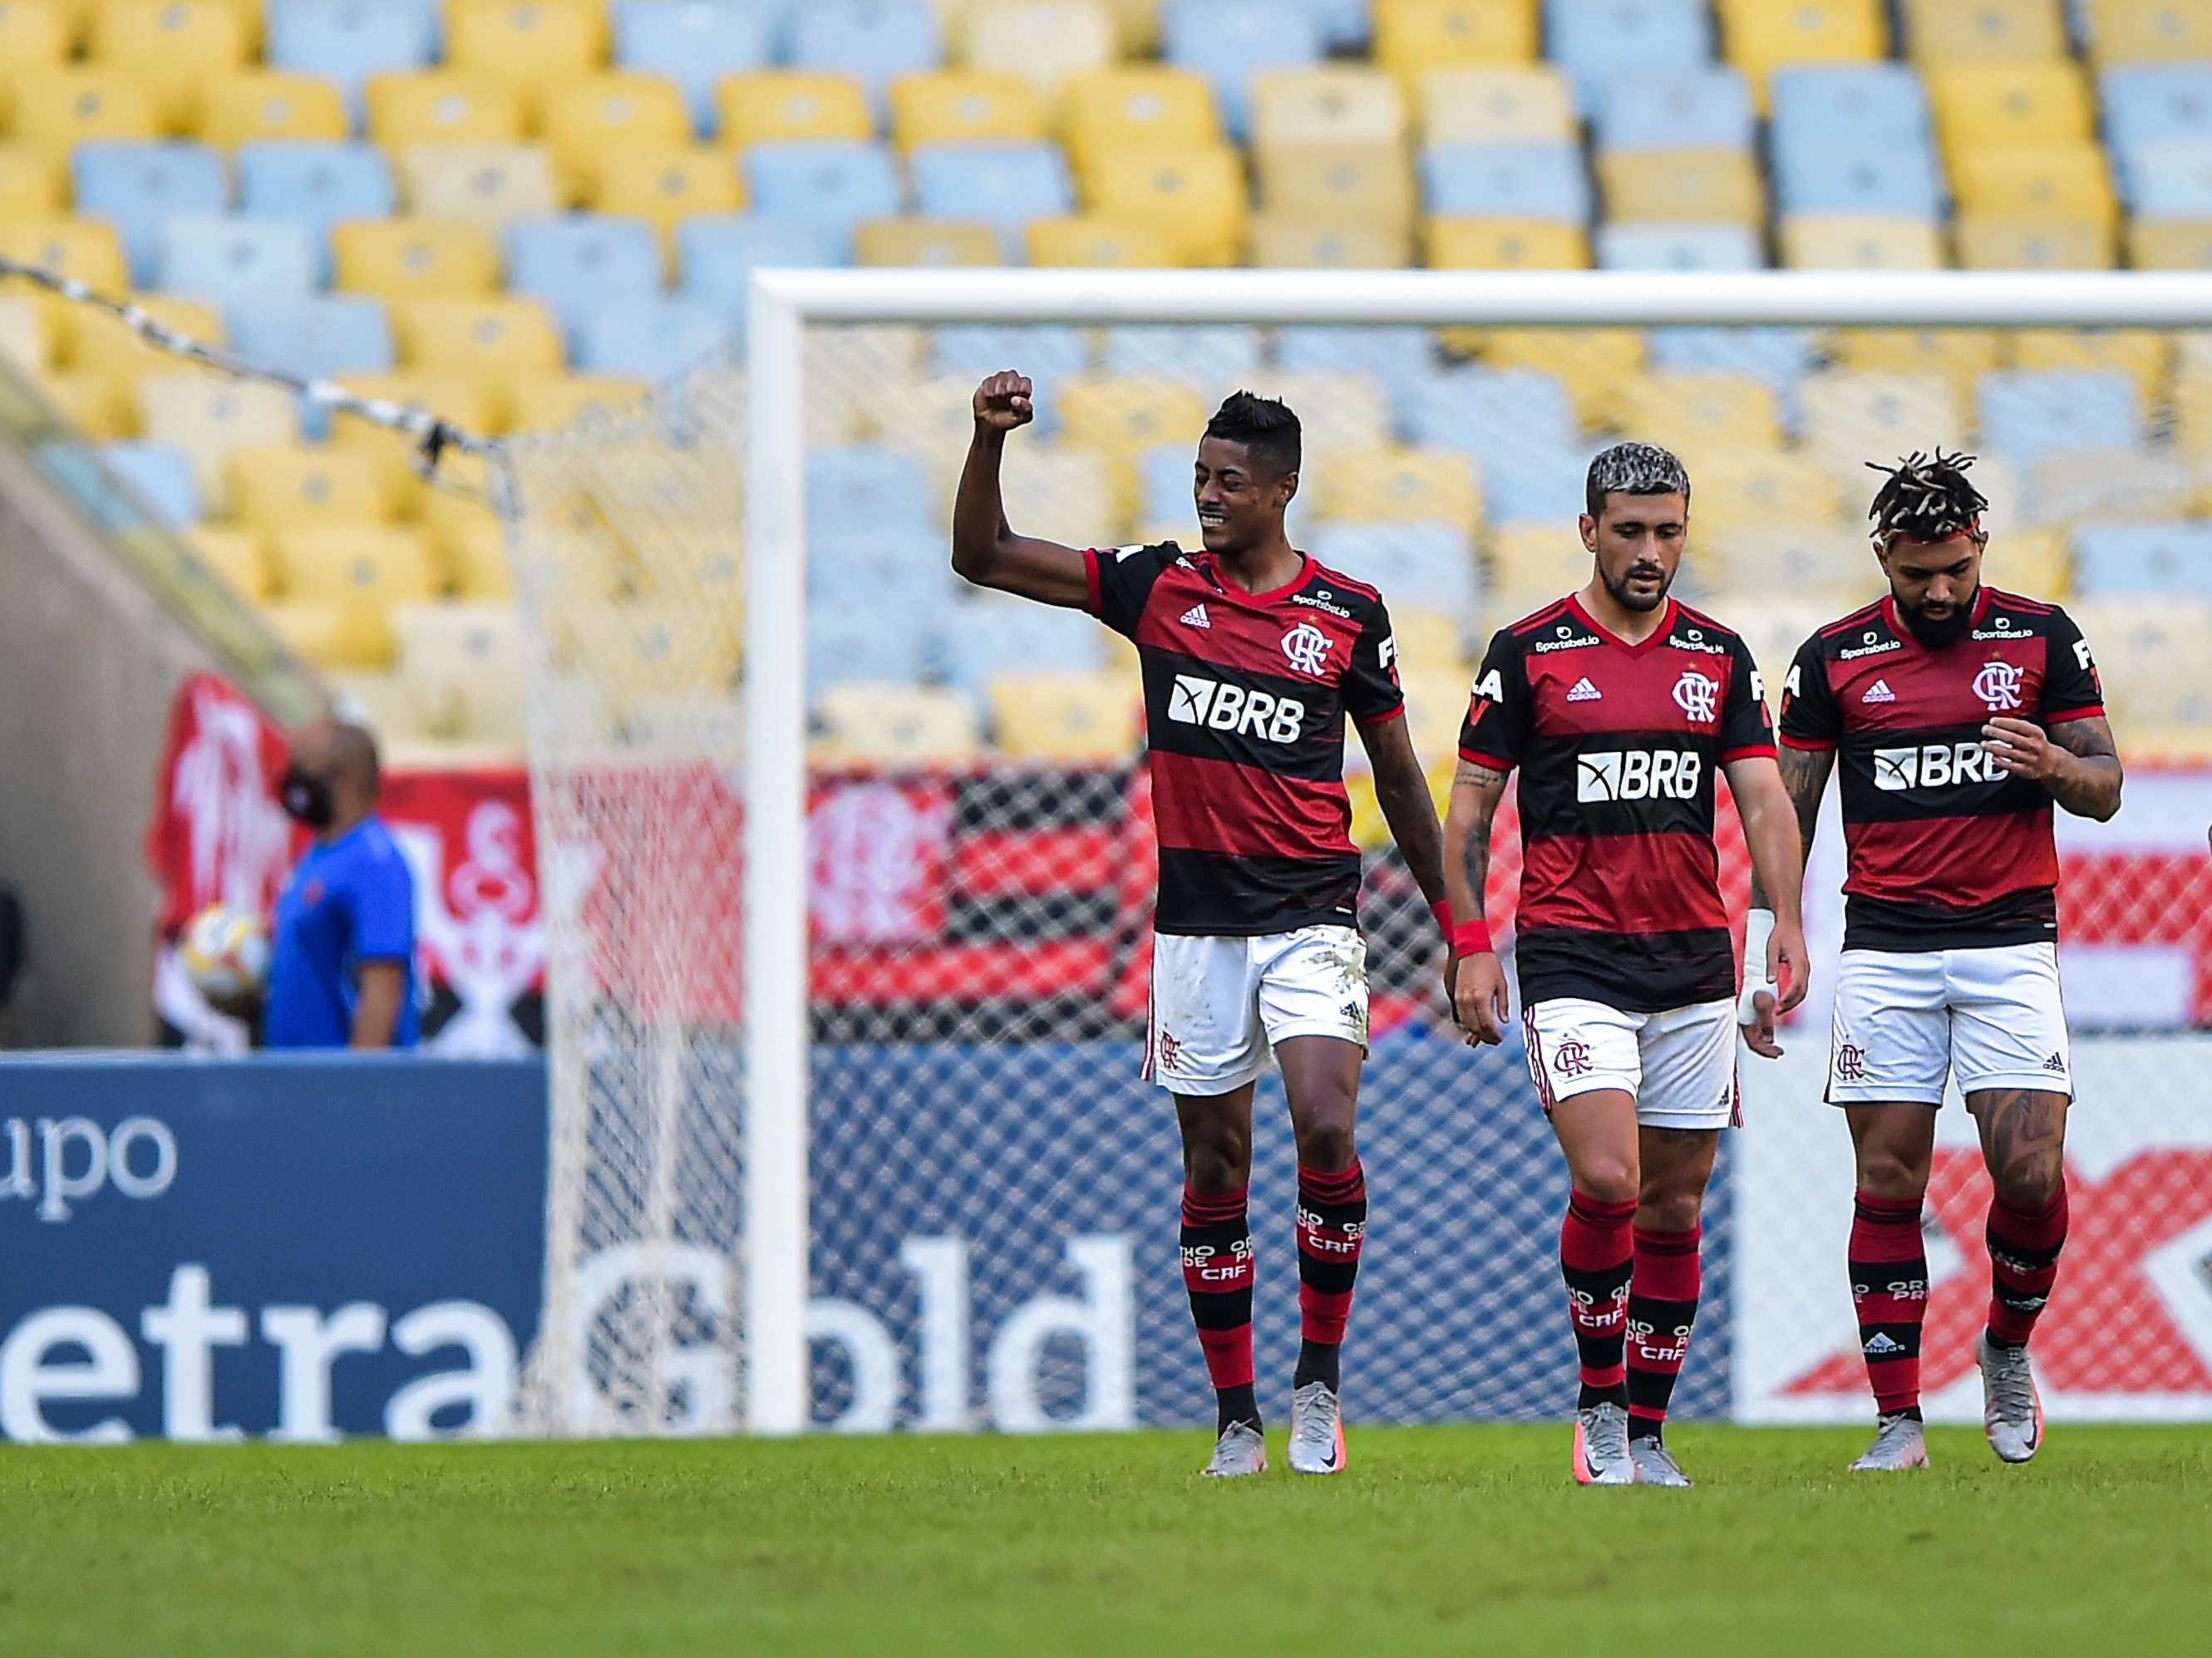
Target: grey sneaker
(1655,1465)
(2012,1409)
(1241,1450)
(1900,1442)
(1601,1447)
(1316,1431)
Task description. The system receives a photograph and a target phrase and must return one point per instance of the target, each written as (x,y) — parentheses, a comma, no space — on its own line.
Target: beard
(1937,633)
(1628,598)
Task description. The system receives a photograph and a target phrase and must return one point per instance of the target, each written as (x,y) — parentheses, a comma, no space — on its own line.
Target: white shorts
(1678,1066)
(1220,1004)
(1906,1019)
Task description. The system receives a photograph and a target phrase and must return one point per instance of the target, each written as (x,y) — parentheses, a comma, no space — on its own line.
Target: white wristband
(1757,936)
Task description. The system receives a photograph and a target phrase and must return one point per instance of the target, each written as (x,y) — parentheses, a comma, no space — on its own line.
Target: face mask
(305,798)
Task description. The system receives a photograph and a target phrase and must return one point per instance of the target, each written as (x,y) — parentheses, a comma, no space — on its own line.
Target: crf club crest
(1999,686)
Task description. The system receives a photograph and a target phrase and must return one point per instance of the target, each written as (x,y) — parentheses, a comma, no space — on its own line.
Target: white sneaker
(1900,1442)
(1601,1456)
(1655,1465)
(1316,1431)
(1242,1450)
(2012,1409)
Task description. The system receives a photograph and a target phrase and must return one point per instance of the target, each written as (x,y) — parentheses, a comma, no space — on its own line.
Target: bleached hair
(1635,468)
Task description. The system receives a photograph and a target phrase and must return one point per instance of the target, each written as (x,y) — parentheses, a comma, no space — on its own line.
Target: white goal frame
(781,306)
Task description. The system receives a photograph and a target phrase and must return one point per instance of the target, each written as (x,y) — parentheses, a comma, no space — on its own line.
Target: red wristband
(1472,938)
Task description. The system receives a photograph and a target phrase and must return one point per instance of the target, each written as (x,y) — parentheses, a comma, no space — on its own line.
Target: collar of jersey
(1659,634)
(1230,590)
(1911,640)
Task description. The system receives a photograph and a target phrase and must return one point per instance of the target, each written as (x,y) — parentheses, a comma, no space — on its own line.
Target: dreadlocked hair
(1926,499)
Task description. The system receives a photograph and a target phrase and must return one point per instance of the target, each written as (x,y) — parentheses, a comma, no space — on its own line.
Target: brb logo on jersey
(1697,696)
(1934,766)
(1638,775)
(1307,648)
(1999,686)
(1208,703)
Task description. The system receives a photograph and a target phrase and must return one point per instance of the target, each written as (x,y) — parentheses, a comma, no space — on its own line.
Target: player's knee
(1669,1211)
(2030,1183)
(1609,1179)
(1215,1164)
(1887,1175)
(1326,1146)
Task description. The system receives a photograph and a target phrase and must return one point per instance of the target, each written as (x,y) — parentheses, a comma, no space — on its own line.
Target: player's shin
(2024,1248)
(1662,1308)
(1218,1270)
(1332,1225)
(1889,1289)
(1596,1256)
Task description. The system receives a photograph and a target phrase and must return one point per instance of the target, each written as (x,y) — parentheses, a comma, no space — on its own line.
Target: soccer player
(1253,655)
(1961,713)
(1618,705)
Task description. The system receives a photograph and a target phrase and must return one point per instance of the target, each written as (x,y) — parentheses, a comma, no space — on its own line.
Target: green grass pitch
(1454,1540)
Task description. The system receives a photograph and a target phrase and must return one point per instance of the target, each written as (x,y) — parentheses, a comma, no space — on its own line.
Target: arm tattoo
(2095,789)
(1476,852)
(1805,776)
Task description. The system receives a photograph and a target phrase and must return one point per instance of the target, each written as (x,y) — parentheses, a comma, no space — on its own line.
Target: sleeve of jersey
(1497,728)
(1120,581)
(1809,719)
(1371,692)
(384,911)
(1746,728)
(2071,689)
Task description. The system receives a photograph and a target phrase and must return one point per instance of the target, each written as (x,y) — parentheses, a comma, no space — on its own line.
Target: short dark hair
(1265,426)
(1926,499)
(1634,469)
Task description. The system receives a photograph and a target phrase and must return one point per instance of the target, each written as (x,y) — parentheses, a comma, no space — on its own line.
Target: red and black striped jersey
(1245,698)
(1947,851)
(1617,744)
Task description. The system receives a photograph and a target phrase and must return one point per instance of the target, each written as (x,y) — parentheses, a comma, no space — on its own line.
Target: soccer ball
(224,952)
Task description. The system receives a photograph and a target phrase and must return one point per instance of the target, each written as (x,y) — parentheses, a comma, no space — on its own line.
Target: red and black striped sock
(1597,1254)
(2024,1248)
(1217,1270)
(1889,1287)
(1662,1306)
(1332,1224)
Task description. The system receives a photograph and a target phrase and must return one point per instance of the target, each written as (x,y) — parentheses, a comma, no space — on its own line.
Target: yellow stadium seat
(412,258)
(1488,105)
(933,418)
(866,721)
(525,44)
(486,341)
(33,38)
(168,47)
(539,403)
(1682,186)
(1428,641)
(462,663)
(1294,241)
(2059,181)
(1460,243)
(1401,485)
(965,107)
(1120,417)
(1060,493)
(233,554)
(1196,196)
(95,343)
(2035,561)
(1342,414)
(1046,42)
(1096,241)
(1795,558)
(668,185)
(1698,413)
(96,406)
(589,121)
(27,185)
(1069,717)
(1589,362)
(87,249)
(1339,106)
(2144,356)
(316,632)
(285,486)
(361,570)
(25,340)
(1412,37)
(1860,241)
(1761,36)
(1532,563)
(2170,243)
(1148,109)
(210,419)
(2149,31)
(1740,491)
(1969,30)
(2000,106)
(1367,184)
(2124,485)
(248,106)
(57,109)
(1995,242)
(464,402)
(1960,356)
(771,105)
(474,556)
(487,185)
(916,240)
(441,107)
(2152,657)
(1854,415)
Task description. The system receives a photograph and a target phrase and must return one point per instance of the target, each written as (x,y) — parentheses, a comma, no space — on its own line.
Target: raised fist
(1002,402)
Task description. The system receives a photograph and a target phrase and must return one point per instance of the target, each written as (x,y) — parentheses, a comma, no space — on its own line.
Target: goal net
(848,869)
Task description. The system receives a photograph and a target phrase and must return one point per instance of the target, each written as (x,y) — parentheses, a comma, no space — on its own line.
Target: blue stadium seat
(1507,181)
(1842,176)
(316,181)
(1163,485)
(1230,41)
(2145,103)
(1538,484)
(1634,246)
(136,186)
(716,253)
(862,488)
(832,183)
(1683,109)
(694,43)
(872,41)
(2152,560)
(1594,41)
(1217,356)
(584,263)
(1047,353)
(327,334)
(1863,105)
(1780,357)
(1344,24)
(348,40)
(988,637)
(843,646)
(2025,414)
(1498,415)
(227,260)
(1007,185)
(1403,360)
(160,476)
(2169,179)
(1419,567)
(652,339)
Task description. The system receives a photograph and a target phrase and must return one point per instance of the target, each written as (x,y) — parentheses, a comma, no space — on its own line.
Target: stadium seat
(2111,484)
(528,44)
(2169,179)
(1403,359)
(231,259)
(666,186)
(1589,362)
(1066,717)
(362,570)
(487,185)
(716,255)
(1800,560)
(1852,416)
(316,338)
(57,109)
(462,663)
(1231,41)
(1457,243)
(33,39)
(831,183)
(1761,36)
(692,43)
(1678,247)
(1698,413)
(29,188)
(912,241)
(1779,357)
(167,46)
(965,107)
(160,476)
(1542,483)
(1419,565)
(652,339)
(2117,559)
(1542,182)
(1412,37)
(1060,494)
(316,181)
(591,120)
(1891,181)
(873,42)
(1496,415)
(1007,185)
(1136,108)
(988,637)
(2148,31)
(1049,42)
(1959,355)
(859,488)
(1121,418)
(1863,105)
(1684,109)
(441,107)
(2155,103)
(135,186)
(1485,104)
(2144,356)
(1330,107)
(1048,355)
(2060,181)
(1291,240)
(1213,358)
(460,400)
(26,343)
(1095,240)
(278,486)
(1348,185)
(208,419)
(1437,485)
(2000,106)
(234,555)
(412,258)
(346,43)
(1596,40)
(583,263)
(2028,415)
(1534,562)
(1682,186)
(2169,244)
(783,105)
(1737,491)
(1994,242)
(1856,241)
(539,403)
(879,723)
(1196,198)
(94,342)
(1945,32)
(485,340)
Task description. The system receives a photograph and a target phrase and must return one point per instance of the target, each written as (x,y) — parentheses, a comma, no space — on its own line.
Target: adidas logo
(1879,692)
(2056,1064)
(1584,692)
(1195,617)
(1880,1345)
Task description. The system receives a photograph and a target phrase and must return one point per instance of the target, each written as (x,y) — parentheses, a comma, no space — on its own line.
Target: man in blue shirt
(342,972)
